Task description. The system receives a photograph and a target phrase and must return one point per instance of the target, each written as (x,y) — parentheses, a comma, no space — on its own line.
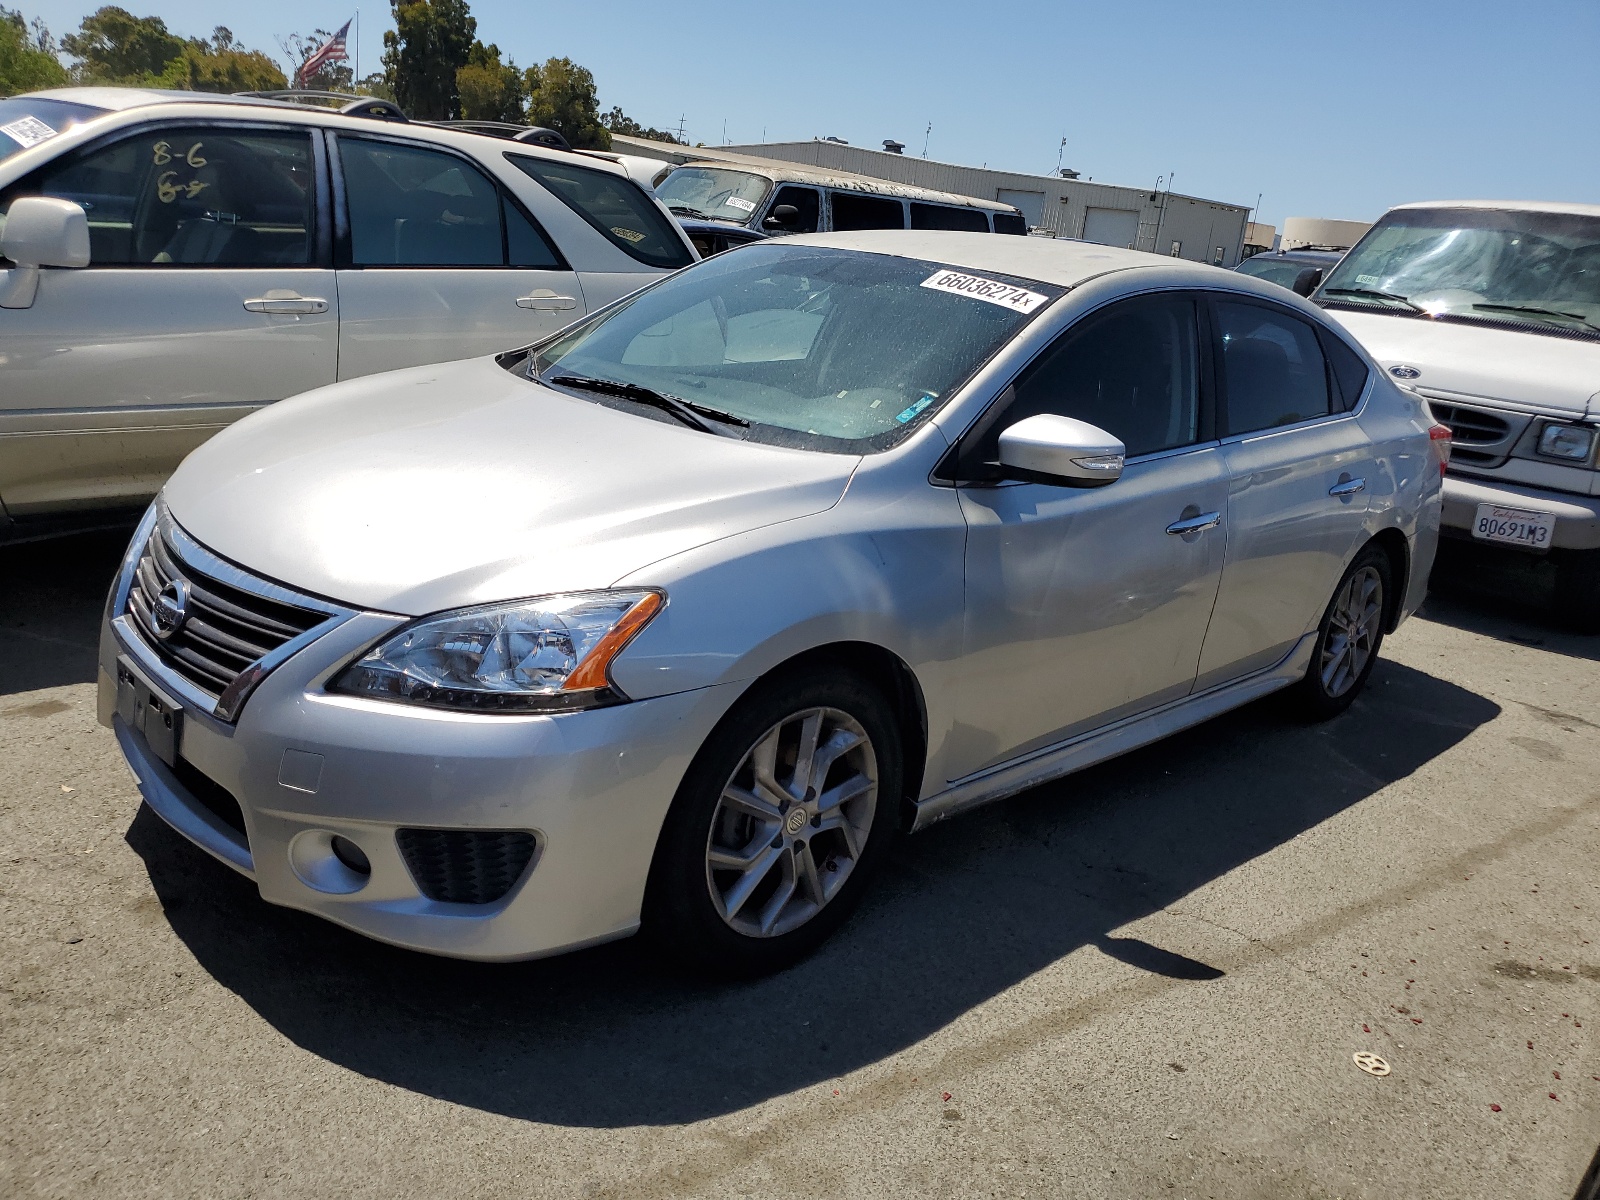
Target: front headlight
(1571,442)
(548,654)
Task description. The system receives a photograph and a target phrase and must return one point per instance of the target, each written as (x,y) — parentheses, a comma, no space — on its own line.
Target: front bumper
(594,788)
(1577,517)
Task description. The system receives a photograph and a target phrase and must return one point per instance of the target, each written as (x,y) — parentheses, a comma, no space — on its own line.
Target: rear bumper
(1577,517)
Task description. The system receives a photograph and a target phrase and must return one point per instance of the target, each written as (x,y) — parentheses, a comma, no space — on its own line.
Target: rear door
(437,261)
(209,292)
(1298,470)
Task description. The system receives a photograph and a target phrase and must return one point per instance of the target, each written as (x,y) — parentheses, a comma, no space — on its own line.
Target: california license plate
(1514,526)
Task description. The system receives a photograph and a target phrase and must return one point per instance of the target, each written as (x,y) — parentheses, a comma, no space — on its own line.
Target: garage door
(1111,226)
(1031,204)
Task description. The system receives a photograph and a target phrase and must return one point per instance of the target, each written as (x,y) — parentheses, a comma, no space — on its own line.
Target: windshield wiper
(691,414)
(1370,292)
(1535,310)
(683,210)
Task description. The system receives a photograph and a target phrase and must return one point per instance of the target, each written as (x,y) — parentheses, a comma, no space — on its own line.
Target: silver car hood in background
(1528,370)
(458,483)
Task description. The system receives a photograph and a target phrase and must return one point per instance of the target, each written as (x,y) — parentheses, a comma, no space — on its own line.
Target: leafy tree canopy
(221,65)
(430,42)
(490,90)
(618,121)
(115,46)
(27,56)
(561,96)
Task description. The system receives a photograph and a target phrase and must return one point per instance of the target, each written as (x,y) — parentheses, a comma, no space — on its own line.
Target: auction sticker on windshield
(976,287)
(740,203)
(29,131)
(1514,526)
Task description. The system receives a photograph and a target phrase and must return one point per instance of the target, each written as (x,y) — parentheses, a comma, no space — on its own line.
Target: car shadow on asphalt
(1504,594)
(612,1037)
(52,596)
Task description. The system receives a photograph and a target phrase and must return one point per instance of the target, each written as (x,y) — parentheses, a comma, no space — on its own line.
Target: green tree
(113,45)
(27,59)
(617,121)
(561,96)
(490,90)
(430,42)
(221,65)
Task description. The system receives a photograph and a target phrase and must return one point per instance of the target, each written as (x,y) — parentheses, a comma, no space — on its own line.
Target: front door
(1087,605)
(1299,468)
(442,264)
(204,299)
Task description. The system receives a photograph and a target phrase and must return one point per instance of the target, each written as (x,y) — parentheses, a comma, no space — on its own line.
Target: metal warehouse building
(1163,222)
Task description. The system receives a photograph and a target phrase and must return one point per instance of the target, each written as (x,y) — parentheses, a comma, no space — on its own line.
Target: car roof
(1049,260)
(781,172)
(1300,254)
(1538,206)
(117,99)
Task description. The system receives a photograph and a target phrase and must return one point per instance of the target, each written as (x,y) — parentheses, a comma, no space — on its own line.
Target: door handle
(1195,524)
(1348,487)
(544,300)
(290,305)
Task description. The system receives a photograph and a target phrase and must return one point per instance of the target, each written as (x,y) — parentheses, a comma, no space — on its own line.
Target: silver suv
(173,261)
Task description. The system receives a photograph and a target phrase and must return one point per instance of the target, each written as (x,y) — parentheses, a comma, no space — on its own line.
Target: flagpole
(357,79)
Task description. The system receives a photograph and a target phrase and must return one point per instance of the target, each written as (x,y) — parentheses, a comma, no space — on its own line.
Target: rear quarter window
(1349,372)
(615,206)
(944,216)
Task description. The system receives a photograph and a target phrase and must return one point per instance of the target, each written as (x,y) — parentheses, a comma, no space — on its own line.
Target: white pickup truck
(1491,310)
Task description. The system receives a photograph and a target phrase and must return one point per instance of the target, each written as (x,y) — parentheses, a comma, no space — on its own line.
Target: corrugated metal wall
(1199,226)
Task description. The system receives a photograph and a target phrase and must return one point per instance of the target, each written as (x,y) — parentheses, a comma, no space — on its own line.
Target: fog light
(351,855)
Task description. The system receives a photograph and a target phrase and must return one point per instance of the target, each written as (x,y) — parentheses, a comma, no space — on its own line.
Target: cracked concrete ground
(1146,980)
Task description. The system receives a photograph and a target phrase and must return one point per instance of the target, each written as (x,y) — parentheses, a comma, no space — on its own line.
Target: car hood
(459,483)
(1557,376)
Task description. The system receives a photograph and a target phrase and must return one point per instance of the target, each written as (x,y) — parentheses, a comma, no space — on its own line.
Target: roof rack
(537,135)
(353,106)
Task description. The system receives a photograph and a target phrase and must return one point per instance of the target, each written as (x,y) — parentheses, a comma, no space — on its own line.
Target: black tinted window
(1349,372)
(1272,368)
(526,246)
(806,202)
(854,211)
(1010,223)
(414,207)
(196,196)
(615,206)
(1132,370)
(944,216)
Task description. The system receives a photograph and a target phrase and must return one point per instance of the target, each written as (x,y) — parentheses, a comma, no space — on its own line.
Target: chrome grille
(235,629)
(1468,425)
(1479,437)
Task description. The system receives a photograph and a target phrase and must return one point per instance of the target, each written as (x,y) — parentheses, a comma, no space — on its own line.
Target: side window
(1272,368)
(195,196)
(1010,223)
(615,206)
(944,216)
(415,207)
(807,203)
(526,246)
(1349,372)
(1132,370)
(852,210)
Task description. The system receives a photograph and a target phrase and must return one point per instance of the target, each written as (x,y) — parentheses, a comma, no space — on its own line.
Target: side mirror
(1061,450)
(40,232)
(781,216)
(1306,282)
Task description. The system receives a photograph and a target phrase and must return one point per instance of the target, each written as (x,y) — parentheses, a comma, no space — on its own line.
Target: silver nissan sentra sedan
(678,619)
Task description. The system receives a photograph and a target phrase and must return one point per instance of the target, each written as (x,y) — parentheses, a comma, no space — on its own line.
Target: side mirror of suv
(1306,282)
(1061,450)
(781,216)
(40,231)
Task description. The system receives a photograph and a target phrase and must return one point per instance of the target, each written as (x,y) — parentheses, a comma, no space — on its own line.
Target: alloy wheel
(1354,627)
(792,822)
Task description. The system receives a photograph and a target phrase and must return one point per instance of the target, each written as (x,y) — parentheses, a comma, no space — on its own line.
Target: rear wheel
(1349,637)
(779,824)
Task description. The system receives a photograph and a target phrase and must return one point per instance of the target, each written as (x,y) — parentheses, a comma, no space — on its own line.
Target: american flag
(330,51)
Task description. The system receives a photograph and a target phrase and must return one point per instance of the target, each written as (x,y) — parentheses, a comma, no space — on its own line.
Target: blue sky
(1326,109)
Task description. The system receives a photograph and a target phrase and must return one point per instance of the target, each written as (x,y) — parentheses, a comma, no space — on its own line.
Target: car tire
(1577,596)
(743,885)
(1349,637)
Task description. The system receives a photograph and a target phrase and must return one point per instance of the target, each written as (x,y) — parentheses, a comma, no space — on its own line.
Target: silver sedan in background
(681,617)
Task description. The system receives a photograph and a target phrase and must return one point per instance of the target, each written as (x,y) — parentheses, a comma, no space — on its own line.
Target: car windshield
(1530,269)
(813,347)
(28,120)
(714,192)
(1274,269)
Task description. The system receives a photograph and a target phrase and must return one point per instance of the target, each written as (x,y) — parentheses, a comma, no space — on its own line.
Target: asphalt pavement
(1149,979)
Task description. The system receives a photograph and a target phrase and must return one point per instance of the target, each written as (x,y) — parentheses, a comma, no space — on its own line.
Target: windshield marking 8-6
(803,345)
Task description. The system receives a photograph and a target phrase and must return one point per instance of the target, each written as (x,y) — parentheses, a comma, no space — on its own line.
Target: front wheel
(1349,637)
(779,824)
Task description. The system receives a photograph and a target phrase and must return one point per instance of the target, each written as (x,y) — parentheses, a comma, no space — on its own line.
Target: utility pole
(681,119)
(925,138)
(1059,153)
(1162,216)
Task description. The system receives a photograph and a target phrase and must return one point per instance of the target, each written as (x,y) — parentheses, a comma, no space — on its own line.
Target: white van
(1491,310)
